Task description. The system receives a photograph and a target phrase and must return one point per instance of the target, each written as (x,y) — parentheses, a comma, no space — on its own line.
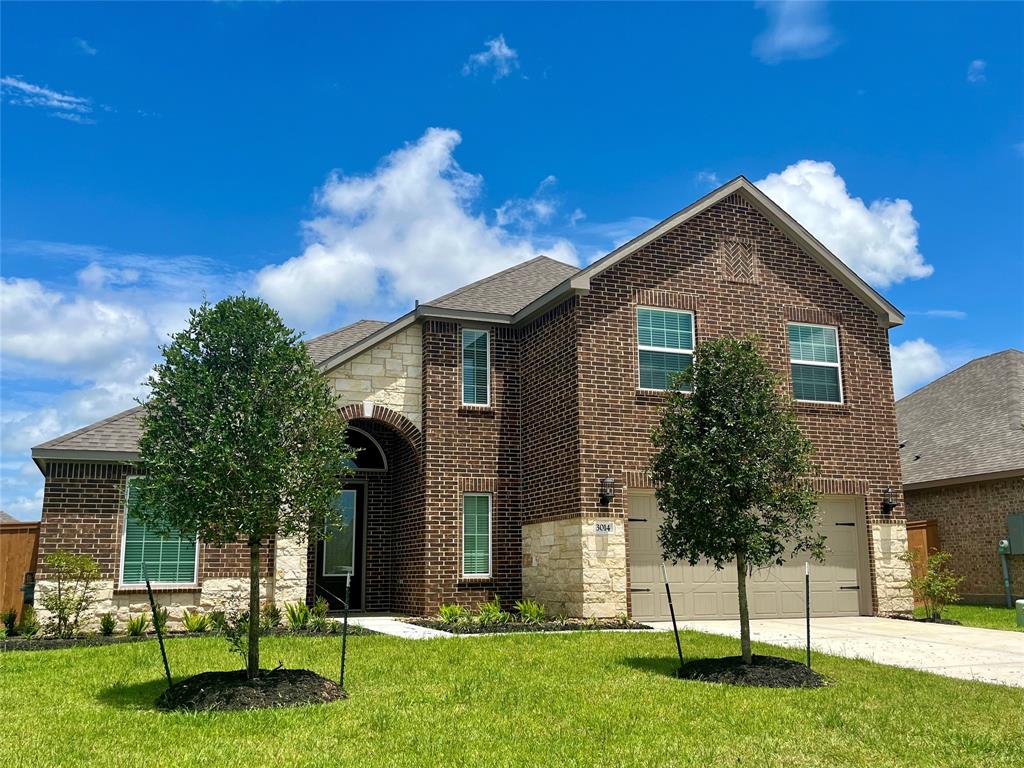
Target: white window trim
(645,348)
(355,542)
(121,583)
(462,367)
(490,537)
(838,365)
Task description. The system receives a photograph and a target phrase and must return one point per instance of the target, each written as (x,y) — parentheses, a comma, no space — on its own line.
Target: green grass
(569,700)
(986,616)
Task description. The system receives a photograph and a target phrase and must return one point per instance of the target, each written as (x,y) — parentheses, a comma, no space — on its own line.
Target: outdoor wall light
(889,501)
(607,490)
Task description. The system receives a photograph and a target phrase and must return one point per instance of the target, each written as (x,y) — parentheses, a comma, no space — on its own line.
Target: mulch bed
(765,672)
(46,643)
(926,620)
(570,625)
(225,691)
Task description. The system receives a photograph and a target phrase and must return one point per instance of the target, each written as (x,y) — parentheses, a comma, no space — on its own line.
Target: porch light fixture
(607,490)
(888,501)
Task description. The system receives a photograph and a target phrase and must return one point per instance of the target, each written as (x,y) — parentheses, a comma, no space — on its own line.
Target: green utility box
(1015,524)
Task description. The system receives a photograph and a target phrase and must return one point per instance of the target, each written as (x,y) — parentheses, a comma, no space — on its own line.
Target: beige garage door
(701,592)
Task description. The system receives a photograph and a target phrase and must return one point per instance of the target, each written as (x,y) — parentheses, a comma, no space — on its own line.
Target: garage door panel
(701,592)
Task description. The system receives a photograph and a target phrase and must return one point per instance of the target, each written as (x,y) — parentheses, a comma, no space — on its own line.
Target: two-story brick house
(505,430)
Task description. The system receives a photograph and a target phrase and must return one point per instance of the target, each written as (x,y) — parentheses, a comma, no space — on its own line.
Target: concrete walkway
(991,655)
(386,625)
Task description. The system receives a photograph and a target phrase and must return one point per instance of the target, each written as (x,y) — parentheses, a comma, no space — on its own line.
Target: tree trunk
(741,582)
(253,667)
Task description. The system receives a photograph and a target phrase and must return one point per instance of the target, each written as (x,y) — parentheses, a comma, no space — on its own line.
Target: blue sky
(344,160)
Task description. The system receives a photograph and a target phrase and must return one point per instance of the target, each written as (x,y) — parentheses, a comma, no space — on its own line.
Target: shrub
(320,606)
(491,613)
(137,625)
(218,621)
(320,624)
(531,612)
(270,616)
(73,592)
(194,621)
(938,586)
(29,624)
(108,623)
(160,620)
(453,613)
(10,621)
(236,632)
(298,616)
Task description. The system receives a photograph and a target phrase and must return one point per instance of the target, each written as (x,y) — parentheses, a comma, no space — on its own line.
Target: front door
(340,554)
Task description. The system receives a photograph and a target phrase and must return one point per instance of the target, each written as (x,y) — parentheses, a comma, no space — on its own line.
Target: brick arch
(385,415)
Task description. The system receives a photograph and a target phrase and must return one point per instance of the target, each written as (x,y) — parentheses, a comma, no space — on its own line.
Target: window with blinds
(476,534)
(475,367)
(665,339)
(814,363)
(162,555)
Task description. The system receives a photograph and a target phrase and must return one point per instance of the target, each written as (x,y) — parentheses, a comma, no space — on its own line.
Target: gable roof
(115,438)
(966,425)
(508,291)
(329,344)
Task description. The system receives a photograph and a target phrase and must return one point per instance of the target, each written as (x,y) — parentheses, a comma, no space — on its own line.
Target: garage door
(701,592)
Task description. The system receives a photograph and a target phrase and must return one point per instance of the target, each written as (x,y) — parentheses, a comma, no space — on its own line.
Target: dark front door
(340,554)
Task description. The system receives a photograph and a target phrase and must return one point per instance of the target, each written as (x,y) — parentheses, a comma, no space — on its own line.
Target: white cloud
(797,29)
(84,47)
(25,507)
(949,314)
(877,241)
(497,55)
(915,362)
(976,71)
(528,212)
(405,231)
(61,105)
(96,276)
(707,179)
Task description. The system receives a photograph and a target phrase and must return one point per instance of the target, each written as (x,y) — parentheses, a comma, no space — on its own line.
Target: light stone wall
(572,570)
(389,374)
(290,563)
(889,542)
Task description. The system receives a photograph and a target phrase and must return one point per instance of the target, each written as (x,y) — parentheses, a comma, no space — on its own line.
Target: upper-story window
(476,367)
(164,556)
(665,338)
(814,363)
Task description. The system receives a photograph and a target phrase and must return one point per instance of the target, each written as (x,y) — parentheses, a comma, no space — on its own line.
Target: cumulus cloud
(84,47)
(915,362)
(528,212)
(797,29)
(707,179)
(408,230)
(878,241)
(976,71)
(496,56)
(75,109)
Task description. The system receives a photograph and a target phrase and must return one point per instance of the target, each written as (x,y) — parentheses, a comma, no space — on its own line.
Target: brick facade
(971,519)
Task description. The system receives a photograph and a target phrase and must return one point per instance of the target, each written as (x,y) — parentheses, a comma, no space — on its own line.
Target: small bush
(10,621)
(137,625)
(108,623)
(73,591)
(453,613)
(938,586)
(320,606)
(160,620)
(236,632)
(320,624)
(491,613)
(194,621)
(530,611)
(298,616)
(29,624)
(270,616)
(218,621)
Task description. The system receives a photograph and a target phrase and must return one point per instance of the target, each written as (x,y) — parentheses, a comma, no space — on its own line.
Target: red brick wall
(972,519)
(855,441)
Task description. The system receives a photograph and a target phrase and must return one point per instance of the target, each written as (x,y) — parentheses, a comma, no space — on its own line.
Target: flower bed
(471,627)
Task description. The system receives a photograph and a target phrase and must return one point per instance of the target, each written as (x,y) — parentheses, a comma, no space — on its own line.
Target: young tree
(242,439)
(731,469)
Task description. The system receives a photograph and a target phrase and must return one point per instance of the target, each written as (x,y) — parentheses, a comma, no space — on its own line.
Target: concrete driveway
(991,655)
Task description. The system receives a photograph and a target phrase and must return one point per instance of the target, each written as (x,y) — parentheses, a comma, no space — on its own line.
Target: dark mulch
(46,643)
(927,620)
(765,672)
(569,625)
(231,691)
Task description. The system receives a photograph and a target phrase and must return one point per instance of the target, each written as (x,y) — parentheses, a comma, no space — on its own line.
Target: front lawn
(985,616)
(570,700)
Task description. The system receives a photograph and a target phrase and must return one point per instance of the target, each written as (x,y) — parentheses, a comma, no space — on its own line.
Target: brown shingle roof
(329,344)
(507,292)
(969,422)
(118,433)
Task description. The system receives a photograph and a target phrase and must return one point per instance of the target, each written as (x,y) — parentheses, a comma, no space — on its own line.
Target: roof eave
(963,479)
(42,455)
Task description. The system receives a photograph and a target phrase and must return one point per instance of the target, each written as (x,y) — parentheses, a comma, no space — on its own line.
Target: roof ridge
(489,278)
(959,368)
(55,442)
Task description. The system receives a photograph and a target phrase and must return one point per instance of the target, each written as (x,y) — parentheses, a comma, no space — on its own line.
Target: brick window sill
(487,583)
(476,410)
(812,407)
(185,589)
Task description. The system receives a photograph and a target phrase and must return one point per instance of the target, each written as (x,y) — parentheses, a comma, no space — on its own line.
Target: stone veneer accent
(389,374)
(572,570)
(290,566)
(891,574)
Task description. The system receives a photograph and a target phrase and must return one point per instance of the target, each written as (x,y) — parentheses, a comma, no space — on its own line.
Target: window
(340,537)
(164,555)
(666,345)
(476,535)
(475,367)
(814,362)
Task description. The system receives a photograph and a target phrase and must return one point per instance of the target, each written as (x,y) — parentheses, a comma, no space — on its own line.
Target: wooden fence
(922,538)
(19,548)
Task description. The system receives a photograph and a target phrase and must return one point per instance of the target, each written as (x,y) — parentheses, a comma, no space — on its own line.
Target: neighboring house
(962,449)
(505,430)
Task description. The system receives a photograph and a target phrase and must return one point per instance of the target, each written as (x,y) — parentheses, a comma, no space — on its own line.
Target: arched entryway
(381,507)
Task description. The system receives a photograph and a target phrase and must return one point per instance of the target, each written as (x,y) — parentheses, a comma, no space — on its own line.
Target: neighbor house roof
(967,425)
